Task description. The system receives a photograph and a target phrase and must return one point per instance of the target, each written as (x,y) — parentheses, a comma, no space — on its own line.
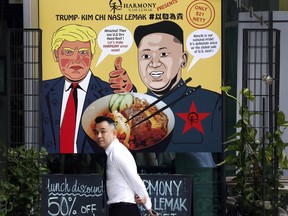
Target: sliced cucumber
(117,102)
(112,101)
(127,101)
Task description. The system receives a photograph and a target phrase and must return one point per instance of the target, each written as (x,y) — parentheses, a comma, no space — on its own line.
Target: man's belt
(114,205)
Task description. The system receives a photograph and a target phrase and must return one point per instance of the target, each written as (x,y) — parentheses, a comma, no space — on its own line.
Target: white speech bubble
(114,40)
(202,43)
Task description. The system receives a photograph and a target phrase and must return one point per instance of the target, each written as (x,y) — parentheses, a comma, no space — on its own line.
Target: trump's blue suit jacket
(52,92)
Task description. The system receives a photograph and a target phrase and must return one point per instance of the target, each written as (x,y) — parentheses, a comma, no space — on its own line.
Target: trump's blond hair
(74,32)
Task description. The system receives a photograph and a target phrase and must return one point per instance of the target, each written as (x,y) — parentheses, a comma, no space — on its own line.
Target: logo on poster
(117,5)
(193,118)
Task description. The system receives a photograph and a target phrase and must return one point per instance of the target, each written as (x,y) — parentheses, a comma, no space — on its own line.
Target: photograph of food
(129,112)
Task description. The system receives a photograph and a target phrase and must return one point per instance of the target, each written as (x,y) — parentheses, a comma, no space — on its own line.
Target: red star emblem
(193,119)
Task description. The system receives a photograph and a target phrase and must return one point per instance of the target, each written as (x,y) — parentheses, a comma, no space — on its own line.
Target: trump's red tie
(67,130)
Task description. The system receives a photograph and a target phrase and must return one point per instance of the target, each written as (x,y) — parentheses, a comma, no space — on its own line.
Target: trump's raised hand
(119,79)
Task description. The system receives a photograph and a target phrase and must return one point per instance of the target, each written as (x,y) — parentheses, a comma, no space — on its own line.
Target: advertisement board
(154,50)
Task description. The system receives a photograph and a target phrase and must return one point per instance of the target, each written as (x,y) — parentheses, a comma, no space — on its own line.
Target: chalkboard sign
(68,195)
(170,194)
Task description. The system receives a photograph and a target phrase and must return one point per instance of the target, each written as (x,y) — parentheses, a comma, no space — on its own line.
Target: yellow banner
(151,47)
(115,22)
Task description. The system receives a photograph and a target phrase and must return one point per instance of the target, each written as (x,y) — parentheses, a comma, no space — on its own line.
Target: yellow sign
(116,46)
(115,22)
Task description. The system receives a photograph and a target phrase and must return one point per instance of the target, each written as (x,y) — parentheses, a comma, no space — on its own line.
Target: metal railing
(24,63)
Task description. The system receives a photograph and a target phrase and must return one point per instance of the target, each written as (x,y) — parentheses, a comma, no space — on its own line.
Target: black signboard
(72,195)
(69,195)
(170,194)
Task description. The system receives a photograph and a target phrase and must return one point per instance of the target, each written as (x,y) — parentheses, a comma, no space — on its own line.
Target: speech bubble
(114,40)
(201,44)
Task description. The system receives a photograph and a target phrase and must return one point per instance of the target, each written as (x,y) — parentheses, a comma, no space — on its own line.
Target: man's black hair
(167,27)
(100,119)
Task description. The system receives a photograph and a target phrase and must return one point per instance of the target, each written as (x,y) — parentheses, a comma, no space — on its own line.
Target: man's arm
(128,168)
(140,201)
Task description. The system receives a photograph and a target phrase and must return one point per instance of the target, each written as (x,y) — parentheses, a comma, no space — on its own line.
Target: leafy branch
(20,189)
(254,156)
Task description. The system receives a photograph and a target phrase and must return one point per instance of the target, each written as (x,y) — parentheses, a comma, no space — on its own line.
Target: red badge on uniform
(193,119)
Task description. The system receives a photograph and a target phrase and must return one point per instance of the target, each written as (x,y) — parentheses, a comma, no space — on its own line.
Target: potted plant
(20,183)
(259,160)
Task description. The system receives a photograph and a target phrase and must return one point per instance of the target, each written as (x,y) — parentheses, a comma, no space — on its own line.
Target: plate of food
(131,113)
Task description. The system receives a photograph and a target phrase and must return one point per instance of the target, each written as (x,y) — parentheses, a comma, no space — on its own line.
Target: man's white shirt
(123,181)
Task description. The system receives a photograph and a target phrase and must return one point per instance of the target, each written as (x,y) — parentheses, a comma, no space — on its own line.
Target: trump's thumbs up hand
(119,79)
